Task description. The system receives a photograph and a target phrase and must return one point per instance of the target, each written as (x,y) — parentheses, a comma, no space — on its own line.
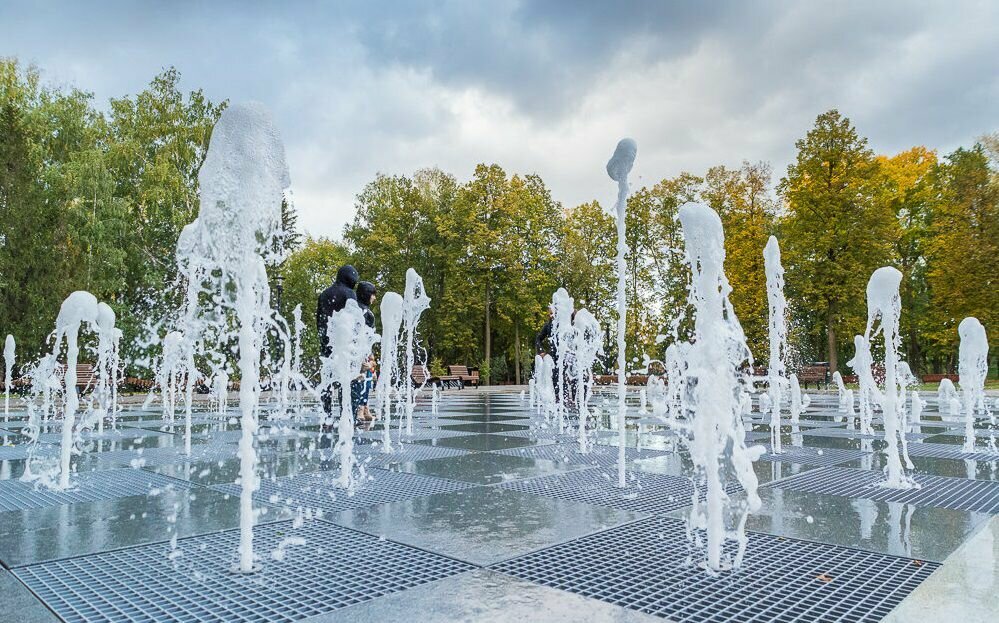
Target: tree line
(94,198)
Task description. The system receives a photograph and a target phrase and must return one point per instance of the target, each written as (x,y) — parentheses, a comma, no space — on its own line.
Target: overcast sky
(543,87)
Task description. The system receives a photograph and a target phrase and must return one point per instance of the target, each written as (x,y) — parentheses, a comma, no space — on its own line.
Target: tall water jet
(618,168)
(415,302)
(587,345)
(713,360)
(777,325)
(8,362)
(562,330)
(885,305)
(392,313)
(973,367)
(796,405)
(544,369)
(108,338)
(868,394)
(352,339)
(78,308)
(242,184)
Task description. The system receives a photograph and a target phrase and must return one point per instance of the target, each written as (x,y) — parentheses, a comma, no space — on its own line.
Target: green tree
(834,234)
(743,201)
(961,247)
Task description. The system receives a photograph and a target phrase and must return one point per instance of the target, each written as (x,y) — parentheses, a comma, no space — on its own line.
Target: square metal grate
(648,493)
(336,567)
(599,455)
(951,451)
(814,456)
(939,491)
(854,433)
(407,453)
(316,490)
(85,487)
(644,566)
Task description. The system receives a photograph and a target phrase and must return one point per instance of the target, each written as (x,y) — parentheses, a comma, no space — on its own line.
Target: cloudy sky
(546,87)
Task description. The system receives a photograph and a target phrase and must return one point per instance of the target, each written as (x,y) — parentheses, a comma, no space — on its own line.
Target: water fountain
(973,366)
(415,302)
(242,184)
(392,314)
(884,306)
(562,344)
(587,344)
(108,339)
(868,394)
(714,359)
(8,362)
(947,397)
(777,324)
(796,404)
(352,339)
(79,307)
(618,168)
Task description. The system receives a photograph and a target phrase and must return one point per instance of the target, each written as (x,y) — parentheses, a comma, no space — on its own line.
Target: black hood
(348,276)
(364,291)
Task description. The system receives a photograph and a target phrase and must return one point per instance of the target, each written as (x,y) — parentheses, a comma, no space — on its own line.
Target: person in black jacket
(331,300)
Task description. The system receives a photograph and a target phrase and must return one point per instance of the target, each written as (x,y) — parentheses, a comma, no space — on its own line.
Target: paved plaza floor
(488,512)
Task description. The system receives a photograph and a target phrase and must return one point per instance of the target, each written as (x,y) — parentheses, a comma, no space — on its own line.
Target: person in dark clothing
(359,388)
(333,299)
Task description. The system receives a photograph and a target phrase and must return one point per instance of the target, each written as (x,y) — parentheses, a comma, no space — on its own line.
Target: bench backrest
(458,370)
(813,372)
(419,373)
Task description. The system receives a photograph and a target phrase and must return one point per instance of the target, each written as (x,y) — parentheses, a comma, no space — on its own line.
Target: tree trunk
(516,353)
(489,343)
(831,343)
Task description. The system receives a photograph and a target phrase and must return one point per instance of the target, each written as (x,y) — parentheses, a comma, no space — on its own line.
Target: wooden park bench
(467,378)
(814,374)
(420,377)
(936,378)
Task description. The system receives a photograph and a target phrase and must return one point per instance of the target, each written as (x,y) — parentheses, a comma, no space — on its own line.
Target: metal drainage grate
(22,451)
(335,568)
(950,451)
(418,433)
(855,434)
(317,490)
(599,455)
(939,491)
(648,493)
(643,566)
(407,453)
(814,456)
(85,487)
(150,457)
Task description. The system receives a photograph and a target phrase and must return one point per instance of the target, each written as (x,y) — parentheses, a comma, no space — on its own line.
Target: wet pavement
(487,511)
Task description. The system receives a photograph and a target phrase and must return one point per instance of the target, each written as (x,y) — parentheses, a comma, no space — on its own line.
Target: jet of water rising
(618,168)
(973,357)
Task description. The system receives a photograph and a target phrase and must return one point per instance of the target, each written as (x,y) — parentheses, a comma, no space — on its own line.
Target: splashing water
(868,394)
(79,307)
(973,366)
(713,360)
(352,339)
(797,404)
(415,302)
(884,305)
(562,334)
(8,362)
(242,184)
(778,336)
(618,168)
(587,344)
(108,339)
(392,313)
